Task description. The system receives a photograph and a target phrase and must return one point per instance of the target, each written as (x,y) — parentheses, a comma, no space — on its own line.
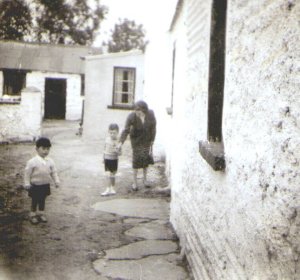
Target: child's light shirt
(40,171)
(111,150)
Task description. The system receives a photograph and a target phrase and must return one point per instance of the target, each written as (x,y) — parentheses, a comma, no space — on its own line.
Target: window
(124,86)
(13,81)
(216,70)
(82,83)
(213,150)
(170,109)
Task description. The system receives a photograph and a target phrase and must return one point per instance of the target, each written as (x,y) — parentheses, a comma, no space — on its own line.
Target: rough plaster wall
(243,223)
(21,122)
(1,83)
(73,91)
(190,125)
(263,49)
(74,98)
(10,118)
(31,111)
(99,93)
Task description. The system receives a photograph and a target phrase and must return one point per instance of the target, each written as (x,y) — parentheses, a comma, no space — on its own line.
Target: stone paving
(155,254)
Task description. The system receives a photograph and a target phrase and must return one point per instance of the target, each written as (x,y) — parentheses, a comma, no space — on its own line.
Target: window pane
(124,98)
(124,86)
(125,75)
(118,98)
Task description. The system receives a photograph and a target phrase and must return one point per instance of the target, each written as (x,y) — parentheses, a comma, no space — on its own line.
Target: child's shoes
(109,191)
(43,218)
(146,184)
(106,192)
(33,219)
(134,187)
(112,191)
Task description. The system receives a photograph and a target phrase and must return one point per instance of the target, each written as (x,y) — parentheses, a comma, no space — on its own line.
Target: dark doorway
(55,98)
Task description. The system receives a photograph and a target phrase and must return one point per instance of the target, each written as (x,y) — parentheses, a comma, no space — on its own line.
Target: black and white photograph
(149,140)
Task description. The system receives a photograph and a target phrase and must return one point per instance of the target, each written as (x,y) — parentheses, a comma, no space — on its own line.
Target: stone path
(88,237)
(154,254)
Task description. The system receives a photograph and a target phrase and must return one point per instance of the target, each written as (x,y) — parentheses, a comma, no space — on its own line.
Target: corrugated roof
(44,57)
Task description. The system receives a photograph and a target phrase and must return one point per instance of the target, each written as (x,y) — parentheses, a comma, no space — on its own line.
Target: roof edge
(176,14)
(24,43)
(108,55)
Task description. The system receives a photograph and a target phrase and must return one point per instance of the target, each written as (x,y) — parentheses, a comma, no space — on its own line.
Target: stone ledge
(11,101)
(213,153)
(119,107)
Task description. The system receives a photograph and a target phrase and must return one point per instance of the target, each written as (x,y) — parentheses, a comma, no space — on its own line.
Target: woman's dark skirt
(140,157)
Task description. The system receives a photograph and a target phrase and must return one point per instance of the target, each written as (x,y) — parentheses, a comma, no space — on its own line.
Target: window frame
(9,77)
(212,150)
(128,105)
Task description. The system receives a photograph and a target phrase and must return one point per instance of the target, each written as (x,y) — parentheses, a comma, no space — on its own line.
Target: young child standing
(39,172)
(111,155)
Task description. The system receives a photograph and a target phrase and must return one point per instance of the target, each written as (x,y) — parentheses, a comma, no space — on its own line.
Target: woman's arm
(126,130)
(152,129)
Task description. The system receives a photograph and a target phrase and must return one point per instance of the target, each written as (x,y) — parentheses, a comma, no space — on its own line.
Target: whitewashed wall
(73,90)
(21,121)
(243,223)
(1,83)
(158,88)
(99,91)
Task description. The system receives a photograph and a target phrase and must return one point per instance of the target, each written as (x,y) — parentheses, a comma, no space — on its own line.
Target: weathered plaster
(243,223)
(23,121)
(1,83)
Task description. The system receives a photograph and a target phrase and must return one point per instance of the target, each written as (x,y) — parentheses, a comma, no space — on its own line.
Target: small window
(82,88)
(216,70)
(213,149)
(170,109)
(124,86)
(13,81)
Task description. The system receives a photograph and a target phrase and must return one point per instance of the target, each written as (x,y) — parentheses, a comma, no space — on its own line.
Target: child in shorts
(111,155)
(39,172)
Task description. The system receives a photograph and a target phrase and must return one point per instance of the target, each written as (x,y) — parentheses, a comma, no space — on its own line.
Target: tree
(127,35)
(15,20)
(51,21)
(59,21)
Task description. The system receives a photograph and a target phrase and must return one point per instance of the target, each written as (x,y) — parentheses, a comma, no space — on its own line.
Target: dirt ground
(75,234)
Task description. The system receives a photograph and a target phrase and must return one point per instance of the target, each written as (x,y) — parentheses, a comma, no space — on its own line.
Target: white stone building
(228,118)
(113,83)
(55,70)
(21,120)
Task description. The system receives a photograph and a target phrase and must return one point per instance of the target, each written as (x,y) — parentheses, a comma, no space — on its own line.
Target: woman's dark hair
(43,142)
(113,126)
(141,105)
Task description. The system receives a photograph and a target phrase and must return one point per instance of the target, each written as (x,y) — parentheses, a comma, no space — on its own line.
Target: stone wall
(1,83)
(242,223)
(21,120)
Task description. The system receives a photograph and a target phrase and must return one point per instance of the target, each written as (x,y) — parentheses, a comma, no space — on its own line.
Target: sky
(155,15)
